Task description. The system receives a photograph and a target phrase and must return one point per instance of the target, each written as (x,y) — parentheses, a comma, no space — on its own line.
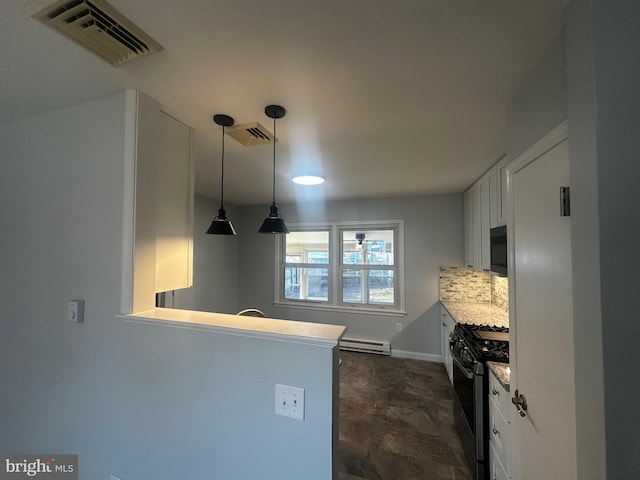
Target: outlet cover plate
(290,401)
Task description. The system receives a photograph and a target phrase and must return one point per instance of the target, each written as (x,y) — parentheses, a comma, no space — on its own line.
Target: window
(350,265)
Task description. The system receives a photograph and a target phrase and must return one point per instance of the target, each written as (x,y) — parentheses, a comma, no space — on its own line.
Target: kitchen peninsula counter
(477,313)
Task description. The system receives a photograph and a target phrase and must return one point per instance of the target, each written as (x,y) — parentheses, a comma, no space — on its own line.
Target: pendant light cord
(222,179)
(274,161)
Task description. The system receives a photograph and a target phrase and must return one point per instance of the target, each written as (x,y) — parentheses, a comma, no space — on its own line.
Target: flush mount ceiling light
(308,179)
(274,223)
(221,225)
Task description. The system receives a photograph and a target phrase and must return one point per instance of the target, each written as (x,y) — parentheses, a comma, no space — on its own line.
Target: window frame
(334,301)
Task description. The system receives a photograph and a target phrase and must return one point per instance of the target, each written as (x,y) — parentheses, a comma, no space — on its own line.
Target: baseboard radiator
(366,346)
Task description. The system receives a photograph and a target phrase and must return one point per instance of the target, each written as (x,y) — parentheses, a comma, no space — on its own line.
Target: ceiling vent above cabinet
(250,134)
(100,28)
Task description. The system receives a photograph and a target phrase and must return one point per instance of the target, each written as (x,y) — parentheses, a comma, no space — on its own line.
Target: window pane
(291,282)
(307,247)
(381,287)
(352,286)
(367,247)
(306,283)
(318,257)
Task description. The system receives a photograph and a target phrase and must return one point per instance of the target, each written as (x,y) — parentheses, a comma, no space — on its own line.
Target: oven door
(469,416)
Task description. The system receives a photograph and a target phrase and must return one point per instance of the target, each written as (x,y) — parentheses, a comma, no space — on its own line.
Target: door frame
(553,138)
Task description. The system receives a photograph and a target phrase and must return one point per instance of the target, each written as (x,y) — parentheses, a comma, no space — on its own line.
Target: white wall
(215,263)
(433,237)
(540,103)
(140,402)
(585,243)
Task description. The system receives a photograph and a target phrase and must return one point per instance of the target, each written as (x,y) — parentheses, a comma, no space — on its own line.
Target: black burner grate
(484,349)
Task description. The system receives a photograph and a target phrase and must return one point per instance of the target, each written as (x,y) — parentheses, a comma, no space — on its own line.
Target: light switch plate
(290,401)
(75,311)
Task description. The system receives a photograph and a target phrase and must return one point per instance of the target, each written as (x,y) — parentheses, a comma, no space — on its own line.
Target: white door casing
(542,357)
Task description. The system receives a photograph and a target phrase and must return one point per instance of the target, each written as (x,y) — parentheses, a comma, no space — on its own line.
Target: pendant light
(274,223)
(221,225)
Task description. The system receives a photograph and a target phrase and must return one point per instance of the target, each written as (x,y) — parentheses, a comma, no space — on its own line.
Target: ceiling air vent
(250,134)
(99,28)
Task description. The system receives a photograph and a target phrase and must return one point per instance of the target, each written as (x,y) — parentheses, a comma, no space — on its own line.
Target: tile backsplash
(463,284)
(500,292)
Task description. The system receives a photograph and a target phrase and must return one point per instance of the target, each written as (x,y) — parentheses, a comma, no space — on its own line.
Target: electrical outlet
(290,401)
(398,327)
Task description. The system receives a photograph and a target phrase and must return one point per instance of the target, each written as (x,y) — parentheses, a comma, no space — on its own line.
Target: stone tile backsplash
(463,284)
(500,292)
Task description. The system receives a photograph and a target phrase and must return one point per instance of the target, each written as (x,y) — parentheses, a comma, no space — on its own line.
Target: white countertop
(257,327)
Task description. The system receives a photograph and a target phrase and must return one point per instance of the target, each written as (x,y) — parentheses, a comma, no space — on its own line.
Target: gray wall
(433,237)
(215,263)
(140,402)
(603,106)
(616,41)
(561,86)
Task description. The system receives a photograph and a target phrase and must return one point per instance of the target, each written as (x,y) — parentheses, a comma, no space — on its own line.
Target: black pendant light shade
(274,223)
(221,225)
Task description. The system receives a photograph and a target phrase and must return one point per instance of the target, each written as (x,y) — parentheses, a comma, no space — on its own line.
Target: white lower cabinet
(499,430)
(496,470)
(448,324)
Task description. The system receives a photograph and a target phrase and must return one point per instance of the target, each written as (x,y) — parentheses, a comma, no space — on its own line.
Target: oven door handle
(467,373)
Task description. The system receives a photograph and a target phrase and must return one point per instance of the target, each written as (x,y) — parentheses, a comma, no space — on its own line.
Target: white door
(542,337)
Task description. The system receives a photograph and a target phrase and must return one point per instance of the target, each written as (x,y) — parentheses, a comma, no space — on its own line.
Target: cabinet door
(492,179)
(468,229)
(496,470)
(498,432)
(477,227)
(174,189)
(499,396)
(484,225)
(448,325)
(501,184)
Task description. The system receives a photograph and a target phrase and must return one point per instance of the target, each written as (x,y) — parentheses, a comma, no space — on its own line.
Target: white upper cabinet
(158,225)
(469,258)
(174,214)
(483,210)
(501,192)
(485,224)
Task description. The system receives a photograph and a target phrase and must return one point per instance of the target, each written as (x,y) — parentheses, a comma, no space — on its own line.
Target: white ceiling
(383,97)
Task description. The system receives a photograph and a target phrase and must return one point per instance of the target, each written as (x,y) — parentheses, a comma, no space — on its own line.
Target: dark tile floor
(396,421)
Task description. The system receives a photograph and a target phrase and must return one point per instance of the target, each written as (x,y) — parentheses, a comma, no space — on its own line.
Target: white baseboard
(428,357)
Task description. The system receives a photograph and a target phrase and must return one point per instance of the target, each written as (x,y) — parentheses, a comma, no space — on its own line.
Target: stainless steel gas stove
(471,347)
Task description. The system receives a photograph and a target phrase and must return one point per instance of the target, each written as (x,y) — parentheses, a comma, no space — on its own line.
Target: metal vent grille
(100,28)
(250,134)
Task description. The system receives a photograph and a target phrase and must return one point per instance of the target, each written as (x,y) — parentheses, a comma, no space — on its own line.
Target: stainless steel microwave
(498,242)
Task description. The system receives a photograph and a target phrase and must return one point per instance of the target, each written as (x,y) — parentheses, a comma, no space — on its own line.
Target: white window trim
(334,267)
